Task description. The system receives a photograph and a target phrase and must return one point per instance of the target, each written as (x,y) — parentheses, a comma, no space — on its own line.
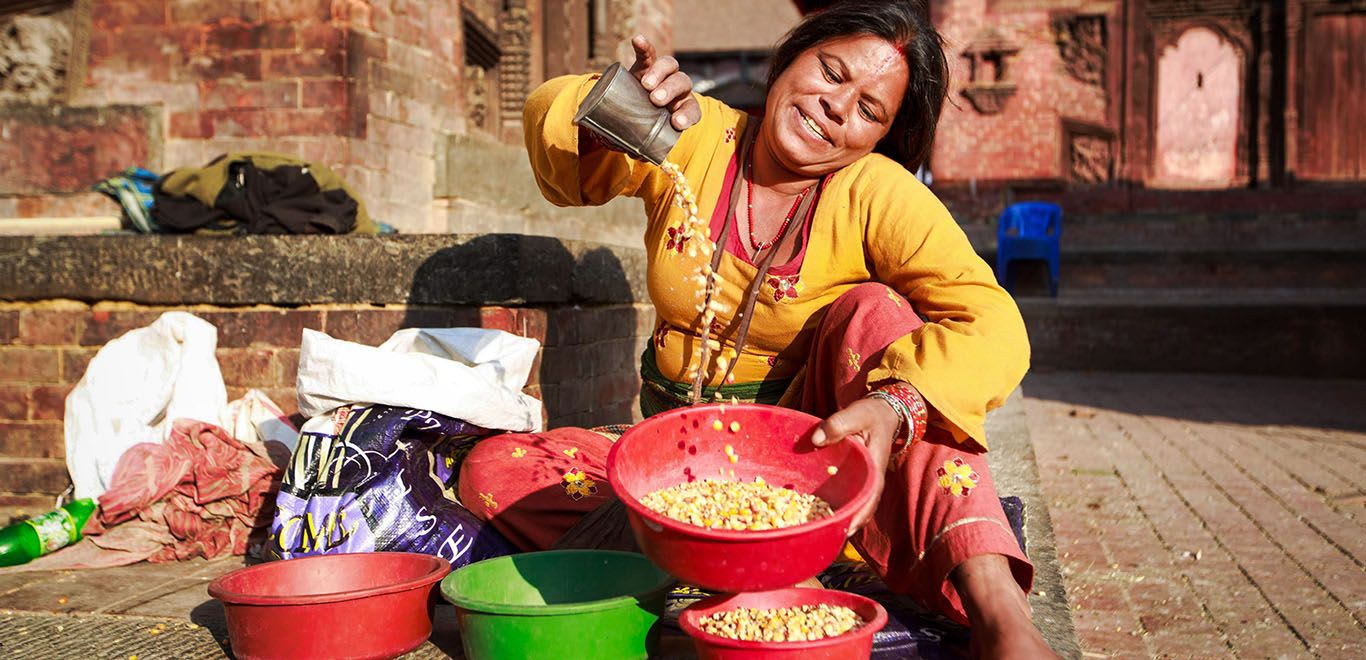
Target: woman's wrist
(910,407)
(898,410)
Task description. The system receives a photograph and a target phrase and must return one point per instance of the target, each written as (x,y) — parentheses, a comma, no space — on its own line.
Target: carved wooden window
(989,84)
(482,55)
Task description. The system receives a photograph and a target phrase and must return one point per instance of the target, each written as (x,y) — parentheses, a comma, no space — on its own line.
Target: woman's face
(834,103)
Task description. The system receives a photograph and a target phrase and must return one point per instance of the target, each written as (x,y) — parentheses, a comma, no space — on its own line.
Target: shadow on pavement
(210,615)
(1211,398)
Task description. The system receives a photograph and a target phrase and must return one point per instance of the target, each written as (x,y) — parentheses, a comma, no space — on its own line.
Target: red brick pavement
(1207,516)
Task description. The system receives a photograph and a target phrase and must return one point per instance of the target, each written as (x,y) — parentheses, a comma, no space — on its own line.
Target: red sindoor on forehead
(891,57)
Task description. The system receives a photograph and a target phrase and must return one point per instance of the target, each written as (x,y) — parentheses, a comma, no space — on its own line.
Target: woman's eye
(868,114)
(829,73)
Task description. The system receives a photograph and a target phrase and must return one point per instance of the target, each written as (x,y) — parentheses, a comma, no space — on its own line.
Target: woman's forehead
(865,53)
(866,57)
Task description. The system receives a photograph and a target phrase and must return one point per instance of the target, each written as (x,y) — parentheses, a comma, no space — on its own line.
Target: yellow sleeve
(568,179)
(973,350)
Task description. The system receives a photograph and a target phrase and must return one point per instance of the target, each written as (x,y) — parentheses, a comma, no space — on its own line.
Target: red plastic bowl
(774,443)
(855,644)
(365,605)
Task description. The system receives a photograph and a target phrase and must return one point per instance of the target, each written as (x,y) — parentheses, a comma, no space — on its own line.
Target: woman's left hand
(872,422)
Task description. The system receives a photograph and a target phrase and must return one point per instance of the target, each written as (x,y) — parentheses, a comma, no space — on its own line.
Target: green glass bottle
(27,540)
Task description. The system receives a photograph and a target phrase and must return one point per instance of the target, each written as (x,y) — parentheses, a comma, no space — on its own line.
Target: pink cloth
(202,493)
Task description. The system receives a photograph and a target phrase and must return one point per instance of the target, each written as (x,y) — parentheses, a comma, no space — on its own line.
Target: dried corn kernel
(720,504)
(831,470)
(784,624)
(716,425)
(734,427)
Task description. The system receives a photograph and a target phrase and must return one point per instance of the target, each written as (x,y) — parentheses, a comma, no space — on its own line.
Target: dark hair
(904,23)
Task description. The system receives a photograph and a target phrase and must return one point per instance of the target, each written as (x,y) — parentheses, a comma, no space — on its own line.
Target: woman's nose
(838,103)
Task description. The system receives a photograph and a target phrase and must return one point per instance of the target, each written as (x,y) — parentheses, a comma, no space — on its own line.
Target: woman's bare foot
(998,610)
(810,583)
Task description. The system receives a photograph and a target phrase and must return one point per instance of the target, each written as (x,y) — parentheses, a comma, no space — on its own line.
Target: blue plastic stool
(1029,231)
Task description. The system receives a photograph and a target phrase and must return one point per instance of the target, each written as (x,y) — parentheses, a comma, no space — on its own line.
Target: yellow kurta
(873,222)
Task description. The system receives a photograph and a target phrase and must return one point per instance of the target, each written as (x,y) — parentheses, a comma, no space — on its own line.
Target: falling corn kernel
(734,427)
(734,401)
(716,425)
(831,470)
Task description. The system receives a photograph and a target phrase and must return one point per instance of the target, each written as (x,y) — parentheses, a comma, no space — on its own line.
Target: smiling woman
(847,291)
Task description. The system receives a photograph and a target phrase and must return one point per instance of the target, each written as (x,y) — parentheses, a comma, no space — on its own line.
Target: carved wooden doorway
(1199,101)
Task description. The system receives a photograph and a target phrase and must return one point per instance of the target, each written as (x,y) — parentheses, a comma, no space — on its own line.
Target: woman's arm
(574,172)
(973,349)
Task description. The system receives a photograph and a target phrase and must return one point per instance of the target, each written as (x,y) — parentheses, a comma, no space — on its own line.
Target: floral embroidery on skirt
(957,478)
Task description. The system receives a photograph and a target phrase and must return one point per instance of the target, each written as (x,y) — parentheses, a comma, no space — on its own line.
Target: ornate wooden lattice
(1082,42)
(514,68)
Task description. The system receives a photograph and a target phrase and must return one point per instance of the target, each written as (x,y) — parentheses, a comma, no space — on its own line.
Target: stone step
(1283,332)
(1196,268)
(1209,231)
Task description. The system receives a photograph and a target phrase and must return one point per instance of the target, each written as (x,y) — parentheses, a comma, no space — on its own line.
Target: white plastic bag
(134,388)
(473,374)
(255,418)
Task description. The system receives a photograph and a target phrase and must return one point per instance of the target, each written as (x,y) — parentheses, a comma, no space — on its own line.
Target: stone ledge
(1015,471)
(432,269)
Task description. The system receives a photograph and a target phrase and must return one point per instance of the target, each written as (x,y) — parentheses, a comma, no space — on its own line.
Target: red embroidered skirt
(939,506)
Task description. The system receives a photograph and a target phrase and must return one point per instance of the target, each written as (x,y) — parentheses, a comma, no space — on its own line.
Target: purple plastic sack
(368,478)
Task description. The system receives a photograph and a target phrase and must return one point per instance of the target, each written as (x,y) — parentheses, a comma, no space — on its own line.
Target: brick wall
(403,61)
(369,87)
(587,373)
(1024,141)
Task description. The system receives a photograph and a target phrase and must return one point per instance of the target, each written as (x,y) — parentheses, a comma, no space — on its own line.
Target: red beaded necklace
(749,205)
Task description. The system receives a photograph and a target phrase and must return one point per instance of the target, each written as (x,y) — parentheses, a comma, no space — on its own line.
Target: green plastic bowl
(560,603)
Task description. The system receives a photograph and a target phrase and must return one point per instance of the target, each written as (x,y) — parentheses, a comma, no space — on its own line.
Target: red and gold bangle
(910,406)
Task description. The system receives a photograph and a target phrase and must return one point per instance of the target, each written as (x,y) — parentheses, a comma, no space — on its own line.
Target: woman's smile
(812,127)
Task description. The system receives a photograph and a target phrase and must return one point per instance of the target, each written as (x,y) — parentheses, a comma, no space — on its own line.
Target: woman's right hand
(668,86)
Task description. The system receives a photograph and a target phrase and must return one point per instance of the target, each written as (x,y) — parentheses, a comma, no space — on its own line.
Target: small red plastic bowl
(771,442)
(854,644)
(365,605)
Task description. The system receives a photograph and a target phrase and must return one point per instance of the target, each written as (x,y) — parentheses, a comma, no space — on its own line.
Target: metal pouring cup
(619,111)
